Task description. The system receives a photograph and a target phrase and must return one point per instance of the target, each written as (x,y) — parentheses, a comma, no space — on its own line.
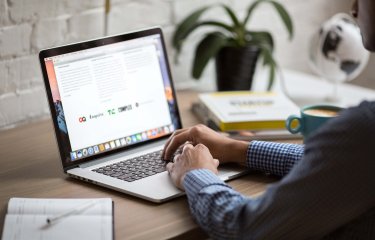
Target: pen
(77,209)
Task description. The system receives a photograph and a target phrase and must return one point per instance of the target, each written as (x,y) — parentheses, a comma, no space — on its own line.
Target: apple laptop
(113,107)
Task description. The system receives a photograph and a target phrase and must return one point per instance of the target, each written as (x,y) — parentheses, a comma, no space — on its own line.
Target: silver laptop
(113,107)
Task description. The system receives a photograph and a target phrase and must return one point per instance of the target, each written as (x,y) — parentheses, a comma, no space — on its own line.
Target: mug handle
(289,121)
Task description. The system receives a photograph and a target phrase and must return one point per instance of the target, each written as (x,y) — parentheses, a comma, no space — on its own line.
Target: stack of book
(246,115)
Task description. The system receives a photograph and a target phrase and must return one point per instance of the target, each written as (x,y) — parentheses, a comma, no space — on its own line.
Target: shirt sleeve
(214,204)
(275,158)
(331,186)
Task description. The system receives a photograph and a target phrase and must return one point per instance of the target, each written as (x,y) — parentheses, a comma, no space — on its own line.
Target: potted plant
(235,47)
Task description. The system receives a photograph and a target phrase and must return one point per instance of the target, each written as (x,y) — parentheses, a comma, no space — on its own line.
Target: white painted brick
(168,33)
(114,2)
(3,13)
(49,32)
(183,8)
(29,25)
(241,5)
(30,69)
(86,25)
(30,10)
(4,77)
(25,72)
(19,74)
(139,14)
(74,6)
(21,106)
(181,70)
(15,40)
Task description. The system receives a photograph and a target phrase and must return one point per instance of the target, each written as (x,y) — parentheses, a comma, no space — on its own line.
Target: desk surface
(30,167)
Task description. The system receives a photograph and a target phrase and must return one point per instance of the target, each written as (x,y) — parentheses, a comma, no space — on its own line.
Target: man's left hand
(192,157)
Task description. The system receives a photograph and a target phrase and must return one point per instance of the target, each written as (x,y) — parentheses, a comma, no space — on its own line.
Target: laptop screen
(110,97)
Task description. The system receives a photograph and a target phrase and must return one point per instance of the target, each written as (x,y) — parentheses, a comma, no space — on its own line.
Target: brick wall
(26,26)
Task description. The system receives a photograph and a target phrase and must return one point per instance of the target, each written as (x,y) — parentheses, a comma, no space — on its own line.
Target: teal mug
(312,118)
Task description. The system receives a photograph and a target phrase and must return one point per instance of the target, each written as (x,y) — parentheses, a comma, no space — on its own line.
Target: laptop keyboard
(135,168)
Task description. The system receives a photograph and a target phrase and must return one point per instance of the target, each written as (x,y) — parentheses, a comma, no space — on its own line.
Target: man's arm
(328,188)
(222,148)
(275,158)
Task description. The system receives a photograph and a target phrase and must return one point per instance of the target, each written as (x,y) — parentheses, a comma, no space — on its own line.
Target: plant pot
(235,68)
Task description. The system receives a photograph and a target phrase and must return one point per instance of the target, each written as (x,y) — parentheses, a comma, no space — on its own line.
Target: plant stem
(240,39)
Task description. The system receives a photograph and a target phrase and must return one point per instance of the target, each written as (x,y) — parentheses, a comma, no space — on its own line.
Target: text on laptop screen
(111,96)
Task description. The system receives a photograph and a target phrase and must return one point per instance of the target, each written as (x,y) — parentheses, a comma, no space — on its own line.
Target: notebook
(113,107)
(27,218)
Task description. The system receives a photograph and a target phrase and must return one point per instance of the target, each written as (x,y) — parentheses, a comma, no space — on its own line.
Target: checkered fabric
(274,158)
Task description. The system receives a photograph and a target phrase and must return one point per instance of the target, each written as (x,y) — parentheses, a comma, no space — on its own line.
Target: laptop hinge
(123,154)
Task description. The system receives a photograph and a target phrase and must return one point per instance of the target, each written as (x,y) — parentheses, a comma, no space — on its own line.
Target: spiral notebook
(33,218)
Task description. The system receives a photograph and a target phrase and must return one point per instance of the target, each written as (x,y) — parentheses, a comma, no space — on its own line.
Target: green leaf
(189,24)
(269,61)
(232,15)
(261,38)
(267,55)
(271,79)
(285,17)
(250,11)
(185,27)
(207,49)
(238,28)
(214,23)
(206,23)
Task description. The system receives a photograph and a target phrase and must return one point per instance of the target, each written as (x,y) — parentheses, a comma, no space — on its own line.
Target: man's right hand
(222,148)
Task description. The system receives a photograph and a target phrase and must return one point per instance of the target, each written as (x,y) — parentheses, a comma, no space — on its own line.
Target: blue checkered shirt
(327,190)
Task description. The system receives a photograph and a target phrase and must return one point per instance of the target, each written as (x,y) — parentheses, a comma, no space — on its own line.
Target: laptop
(113,107)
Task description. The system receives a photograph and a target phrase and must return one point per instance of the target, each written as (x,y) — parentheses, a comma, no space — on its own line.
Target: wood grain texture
(30,167)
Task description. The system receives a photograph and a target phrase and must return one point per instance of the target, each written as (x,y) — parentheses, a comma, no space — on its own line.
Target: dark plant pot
(235,68)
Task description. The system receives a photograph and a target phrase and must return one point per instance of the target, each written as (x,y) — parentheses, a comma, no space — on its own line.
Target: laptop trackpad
(158,186)
(231,171)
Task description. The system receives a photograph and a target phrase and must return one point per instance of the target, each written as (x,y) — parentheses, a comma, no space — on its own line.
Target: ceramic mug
(311,118)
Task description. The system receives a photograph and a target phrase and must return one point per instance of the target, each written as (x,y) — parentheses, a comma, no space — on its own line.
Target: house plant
(235,47)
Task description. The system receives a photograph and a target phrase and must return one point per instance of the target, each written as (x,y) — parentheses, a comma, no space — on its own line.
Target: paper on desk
(72,227)
(43,206)
(26,219)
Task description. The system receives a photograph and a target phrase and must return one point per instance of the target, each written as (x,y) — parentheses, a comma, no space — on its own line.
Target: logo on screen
(79,154)
(82,119)
(111,111)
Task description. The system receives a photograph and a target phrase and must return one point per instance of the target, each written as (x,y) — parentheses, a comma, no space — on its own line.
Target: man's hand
(222,148)
(198,157)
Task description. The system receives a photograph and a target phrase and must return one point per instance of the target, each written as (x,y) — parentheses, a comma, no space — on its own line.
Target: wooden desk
(30,167)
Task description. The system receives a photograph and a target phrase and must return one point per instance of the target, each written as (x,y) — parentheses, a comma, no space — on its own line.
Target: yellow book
(245,110)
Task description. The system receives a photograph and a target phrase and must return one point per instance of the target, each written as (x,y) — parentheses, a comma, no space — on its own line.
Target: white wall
(26,26)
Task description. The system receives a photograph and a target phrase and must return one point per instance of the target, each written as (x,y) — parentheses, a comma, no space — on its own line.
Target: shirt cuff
(198,179)
(274,158)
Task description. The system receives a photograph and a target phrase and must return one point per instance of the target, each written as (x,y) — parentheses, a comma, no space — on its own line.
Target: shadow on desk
(251,183)
(111,192)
